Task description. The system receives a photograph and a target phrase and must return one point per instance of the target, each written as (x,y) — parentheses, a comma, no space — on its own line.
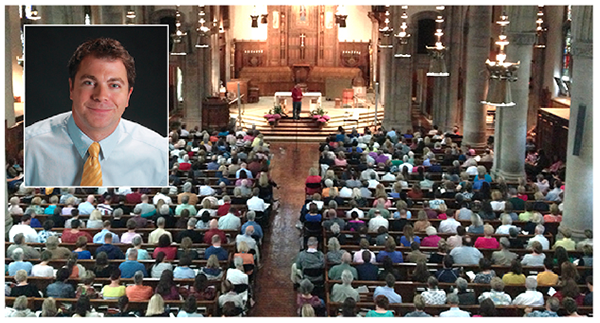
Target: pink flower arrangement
(271,118)
(321,118)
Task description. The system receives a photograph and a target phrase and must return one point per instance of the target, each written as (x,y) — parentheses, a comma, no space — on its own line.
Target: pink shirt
(486,243)
(430,241)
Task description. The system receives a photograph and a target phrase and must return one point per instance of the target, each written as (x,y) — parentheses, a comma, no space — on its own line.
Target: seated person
(22,288)
(112,251)
(114,290)
(60,288)
(496,294)
(164,245)
(433,295)
(216,249)
(339,292)
(447,274)
(388,290)
(183,270)
(367,270)
(138,292)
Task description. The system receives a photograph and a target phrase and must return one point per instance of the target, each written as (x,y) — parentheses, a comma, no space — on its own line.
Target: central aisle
(275,294)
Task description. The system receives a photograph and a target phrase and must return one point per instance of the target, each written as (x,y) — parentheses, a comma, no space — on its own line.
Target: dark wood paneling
(552,134)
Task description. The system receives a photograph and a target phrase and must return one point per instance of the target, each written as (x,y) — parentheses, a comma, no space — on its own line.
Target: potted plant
(274,115)
(320,116)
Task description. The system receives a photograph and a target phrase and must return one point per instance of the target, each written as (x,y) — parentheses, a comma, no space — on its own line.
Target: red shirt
(211,232)
(486,243)
(133,198)
(170,252)
(69,237)
(223,209)
(314,179)
(185,166)
(296,94)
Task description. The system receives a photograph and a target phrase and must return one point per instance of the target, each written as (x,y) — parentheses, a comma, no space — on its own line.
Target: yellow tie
(92,173)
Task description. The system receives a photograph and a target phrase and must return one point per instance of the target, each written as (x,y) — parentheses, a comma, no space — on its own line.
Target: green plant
(318,111)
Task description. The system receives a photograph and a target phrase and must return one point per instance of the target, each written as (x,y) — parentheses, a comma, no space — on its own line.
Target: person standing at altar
(297,101)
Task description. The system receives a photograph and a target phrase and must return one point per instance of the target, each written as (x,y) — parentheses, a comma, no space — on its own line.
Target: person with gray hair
(531,297)
(247,237)
(22,287)
(155,235)
(496,294)
(18,263)
(250,221)
(148,209)
(340,292)
(333,217)
(539,236)
(465,297)
(503,257)
(552,306)
(305,297)
(138,292)
(28,251)
(142,254)
(186,190)
(506,224)
(454,311)
(19,308)
(334,253)
(185,204)
(131,265)
(311,258)
(335,272)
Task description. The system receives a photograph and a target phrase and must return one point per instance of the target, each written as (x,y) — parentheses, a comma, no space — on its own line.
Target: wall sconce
(403,36)
(501,72)
(437,65)
(340,16)
(387,29)
(254,16)
(179,48)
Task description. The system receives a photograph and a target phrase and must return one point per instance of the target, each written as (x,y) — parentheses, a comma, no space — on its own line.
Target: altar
(310,101)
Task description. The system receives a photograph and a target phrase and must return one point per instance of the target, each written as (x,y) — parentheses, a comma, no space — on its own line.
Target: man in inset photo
(92,145)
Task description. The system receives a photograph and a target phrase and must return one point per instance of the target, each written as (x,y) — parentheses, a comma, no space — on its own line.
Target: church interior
(495,84)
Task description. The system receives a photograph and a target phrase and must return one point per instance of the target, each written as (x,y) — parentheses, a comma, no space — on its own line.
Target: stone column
(385,68)
(478,49)
(578,197)
(112,15)
(511,129)
(440,101)
(397,110)
(454,27)
(192,70)
(215,66)
(553,51)
(11,15)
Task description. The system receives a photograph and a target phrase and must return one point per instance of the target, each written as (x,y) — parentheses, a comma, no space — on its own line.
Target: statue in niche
(302,13)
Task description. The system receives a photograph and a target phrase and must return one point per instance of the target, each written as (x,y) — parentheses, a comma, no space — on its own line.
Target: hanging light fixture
(34,15)
(254,16)
(540,29)
(340,16)
(178,43)
(437,65)
(502,73)
(201,29)
(403,36)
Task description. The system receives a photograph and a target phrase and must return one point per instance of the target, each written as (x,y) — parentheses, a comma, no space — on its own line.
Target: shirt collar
(82,142)
(311,250)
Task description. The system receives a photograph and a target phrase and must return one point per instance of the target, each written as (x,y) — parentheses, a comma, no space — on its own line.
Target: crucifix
(302,37)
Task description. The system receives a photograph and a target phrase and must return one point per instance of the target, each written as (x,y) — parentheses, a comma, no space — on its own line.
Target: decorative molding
(582,49)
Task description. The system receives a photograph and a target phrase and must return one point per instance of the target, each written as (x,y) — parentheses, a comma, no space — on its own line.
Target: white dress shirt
(206,190)
(530,298)
(361,213)
(56,150)
(229,222)
(345,192)
(541,239)
(27,231)
(377,222)
(161,196)
(255,203)
(448,226)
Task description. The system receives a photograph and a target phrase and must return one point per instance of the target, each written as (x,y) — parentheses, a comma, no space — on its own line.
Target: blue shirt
(387,292)
(85,208)
(248,173)
(183,273)
(15,266)
(405,242)
(57,149)
(142,254)
(395,256)
(99,237)
(83,254)
(220,252)
(129,267)
(257,228)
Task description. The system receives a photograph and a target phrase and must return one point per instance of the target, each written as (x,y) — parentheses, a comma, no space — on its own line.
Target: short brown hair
(105,48)
(382,302)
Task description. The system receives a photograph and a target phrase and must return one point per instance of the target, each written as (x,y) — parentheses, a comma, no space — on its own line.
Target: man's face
(100,93)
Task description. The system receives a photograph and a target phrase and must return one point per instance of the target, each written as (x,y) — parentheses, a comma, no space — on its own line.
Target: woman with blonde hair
(244,253)
(334,251)
(340,159)
(95,221)
(49,308)
(185,249)
(415,192)
(380,193)
(554,215)
(422,222)
(442,208)
(487,241)
(497,202)
(156,307)
(212,270)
